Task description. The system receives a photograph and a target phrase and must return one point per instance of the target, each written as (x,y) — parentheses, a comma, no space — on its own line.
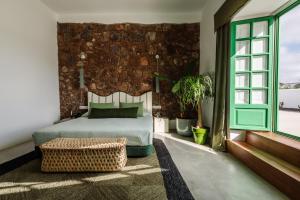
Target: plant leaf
(176,87)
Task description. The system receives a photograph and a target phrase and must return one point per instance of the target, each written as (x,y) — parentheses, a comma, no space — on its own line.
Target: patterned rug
(152,177)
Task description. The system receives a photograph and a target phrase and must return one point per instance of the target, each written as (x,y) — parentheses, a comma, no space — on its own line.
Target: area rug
(153,177)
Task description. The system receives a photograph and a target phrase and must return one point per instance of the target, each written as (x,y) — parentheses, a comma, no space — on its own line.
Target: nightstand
(161,125)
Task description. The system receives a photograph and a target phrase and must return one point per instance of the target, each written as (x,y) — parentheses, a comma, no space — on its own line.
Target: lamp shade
(82,56)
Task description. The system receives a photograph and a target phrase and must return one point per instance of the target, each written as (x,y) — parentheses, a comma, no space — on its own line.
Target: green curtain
(220,125)
(227,11)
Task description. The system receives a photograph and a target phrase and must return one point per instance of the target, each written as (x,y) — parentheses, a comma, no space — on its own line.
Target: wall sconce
(83,88)
(82,56)
(81,70)
(157,88)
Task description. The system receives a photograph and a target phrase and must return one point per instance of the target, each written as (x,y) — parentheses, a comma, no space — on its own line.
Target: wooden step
(277,145)
(283,175)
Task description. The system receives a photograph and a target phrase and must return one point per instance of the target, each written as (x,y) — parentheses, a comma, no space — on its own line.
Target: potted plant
(183,125)
(192,90)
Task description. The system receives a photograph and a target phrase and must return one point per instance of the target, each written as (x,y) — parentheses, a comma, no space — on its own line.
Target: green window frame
(251,59)
(281,12)
(250,116)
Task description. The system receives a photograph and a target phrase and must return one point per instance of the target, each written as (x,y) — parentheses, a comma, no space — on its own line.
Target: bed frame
(118,97)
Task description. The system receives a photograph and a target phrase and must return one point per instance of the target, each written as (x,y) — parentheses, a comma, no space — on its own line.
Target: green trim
(232,73)
(276,72)
(246,21)
(139,151)
(266,109)
(294,137)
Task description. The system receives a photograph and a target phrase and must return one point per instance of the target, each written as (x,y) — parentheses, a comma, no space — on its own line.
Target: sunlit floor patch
(186,141)
(106,177)
(12,190)
(135,167)
(56,184)
(14,184)
(147,171)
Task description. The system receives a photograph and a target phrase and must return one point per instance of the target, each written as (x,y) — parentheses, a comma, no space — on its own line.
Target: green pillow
(101,105)
(113,113)
(131,105)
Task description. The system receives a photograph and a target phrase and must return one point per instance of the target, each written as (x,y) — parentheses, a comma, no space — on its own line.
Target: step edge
(278,139)
(284,169)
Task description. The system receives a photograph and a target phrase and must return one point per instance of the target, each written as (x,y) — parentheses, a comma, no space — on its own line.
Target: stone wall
(121,57)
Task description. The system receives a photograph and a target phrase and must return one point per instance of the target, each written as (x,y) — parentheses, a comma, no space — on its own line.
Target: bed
(138,131)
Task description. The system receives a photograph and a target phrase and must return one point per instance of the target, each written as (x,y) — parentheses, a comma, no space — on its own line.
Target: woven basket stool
(84,155)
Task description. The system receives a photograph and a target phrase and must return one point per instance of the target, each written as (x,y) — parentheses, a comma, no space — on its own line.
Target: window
(288,115)
(265,73)
(251,74)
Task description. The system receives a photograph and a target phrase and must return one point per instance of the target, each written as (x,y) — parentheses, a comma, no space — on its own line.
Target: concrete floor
(289,122)
(214,175)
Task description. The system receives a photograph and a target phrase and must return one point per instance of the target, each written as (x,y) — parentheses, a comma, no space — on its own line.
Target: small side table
(161,125)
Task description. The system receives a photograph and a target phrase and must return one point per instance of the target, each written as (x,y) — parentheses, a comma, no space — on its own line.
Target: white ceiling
(124,6)
(258,8)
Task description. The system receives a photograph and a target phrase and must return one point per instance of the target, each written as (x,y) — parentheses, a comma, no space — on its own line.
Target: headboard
(118,97)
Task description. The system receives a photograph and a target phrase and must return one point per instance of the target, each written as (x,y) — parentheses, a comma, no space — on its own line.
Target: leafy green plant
(192,90)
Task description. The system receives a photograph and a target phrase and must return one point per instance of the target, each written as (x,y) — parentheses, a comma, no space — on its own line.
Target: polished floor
(216,176)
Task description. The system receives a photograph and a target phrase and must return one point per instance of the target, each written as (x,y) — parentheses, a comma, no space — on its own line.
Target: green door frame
(276,64)
(269,71)
(275,83)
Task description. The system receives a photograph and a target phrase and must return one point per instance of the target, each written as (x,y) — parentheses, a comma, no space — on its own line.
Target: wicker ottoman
(84,154)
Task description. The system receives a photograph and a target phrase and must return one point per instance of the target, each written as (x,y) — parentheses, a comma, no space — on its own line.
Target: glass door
(288,110)
(251,74)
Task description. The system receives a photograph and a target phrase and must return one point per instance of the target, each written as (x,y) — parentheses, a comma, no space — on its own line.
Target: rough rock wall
(121,57)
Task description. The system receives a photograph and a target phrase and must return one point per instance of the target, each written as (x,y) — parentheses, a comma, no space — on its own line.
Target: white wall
(29,94)
(208,50)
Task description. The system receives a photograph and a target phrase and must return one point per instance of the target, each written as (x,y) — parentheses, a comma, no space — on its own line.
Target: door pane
(259,80)
(259,97)
(242,64)
(259,63)
(260,29)
(243,47)
(260,46)
(241,80)
(241,97)
(242,31)
(289,73)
